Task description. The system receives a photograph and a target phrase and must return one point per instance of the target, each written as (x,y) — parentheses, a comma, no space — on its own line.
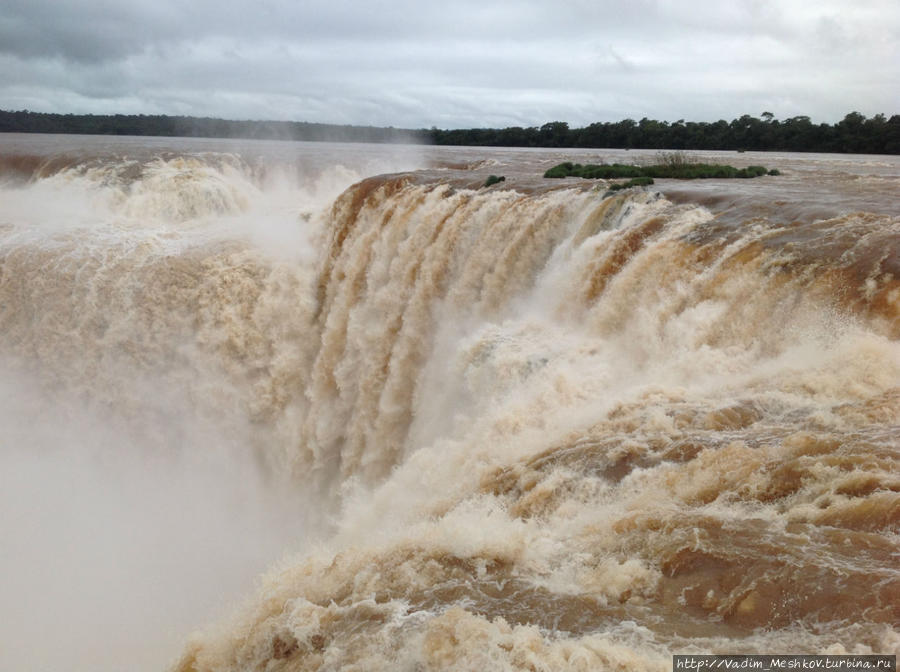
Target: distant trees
(119,124)
(855,133)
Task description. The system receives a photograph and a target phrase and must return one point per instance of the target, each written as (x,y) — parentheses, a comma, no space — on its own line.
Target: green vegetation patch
(674,165)
(493,179)
(679,171)
(635,182)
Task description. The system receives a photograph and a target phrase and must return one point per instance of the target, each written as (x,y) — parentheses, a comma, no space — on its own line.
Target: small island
(672,165)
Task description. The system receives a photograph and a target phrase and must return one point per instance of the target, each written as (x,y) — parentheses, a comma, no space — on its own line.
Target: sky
(455,63)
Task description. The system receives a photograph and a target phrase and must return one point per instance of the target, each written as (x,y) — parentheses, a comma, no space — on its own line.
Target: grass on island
(674,165)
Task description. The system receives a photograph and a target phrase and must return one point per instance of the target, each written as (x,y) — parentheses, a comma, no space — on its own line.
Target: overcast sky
(454,63)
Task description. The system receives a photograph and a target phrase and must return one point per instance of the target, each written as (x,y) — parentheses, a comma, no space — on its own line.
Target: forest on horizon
(855,133)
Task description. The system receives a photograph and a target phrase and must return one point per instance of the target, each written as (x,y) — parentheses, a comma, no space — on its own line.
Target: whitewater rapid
(523,427)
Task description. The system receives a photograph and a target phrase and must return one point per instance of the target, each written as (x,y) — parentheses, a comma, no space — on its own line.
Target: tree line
(25,121)
(855,133)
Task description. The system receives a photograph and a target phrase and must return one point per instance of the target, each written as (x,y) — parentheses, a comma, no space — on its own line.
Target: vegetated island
(671,165)
(853,134)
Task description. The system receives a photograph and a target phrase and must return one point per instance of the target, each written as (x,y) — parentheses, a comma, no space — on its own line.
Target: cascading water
(527,428)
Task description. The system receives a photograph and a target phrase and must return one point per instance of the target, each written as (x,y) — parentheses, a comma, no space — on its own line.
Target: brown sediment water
(531,426)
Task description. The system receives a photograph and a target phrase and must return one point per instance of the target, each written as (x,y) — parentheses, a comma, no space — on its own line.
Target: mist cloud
(115,544)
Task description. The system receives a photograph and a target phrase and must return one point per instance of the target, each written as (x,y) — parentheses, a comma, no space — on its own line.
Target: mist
(117,544)
(139,502)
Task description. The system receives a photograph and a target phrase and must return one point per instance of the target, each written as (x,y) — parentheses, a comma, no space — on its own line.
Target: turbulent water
(535,426)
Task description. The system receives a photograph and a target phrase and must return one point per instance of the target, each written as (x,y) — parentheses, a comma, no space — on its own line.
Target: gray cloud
(460,63)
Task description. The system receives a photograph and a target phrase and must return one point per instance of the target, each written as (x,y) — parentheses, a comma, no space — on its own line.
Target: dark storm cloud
(80,32)
(458,63)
